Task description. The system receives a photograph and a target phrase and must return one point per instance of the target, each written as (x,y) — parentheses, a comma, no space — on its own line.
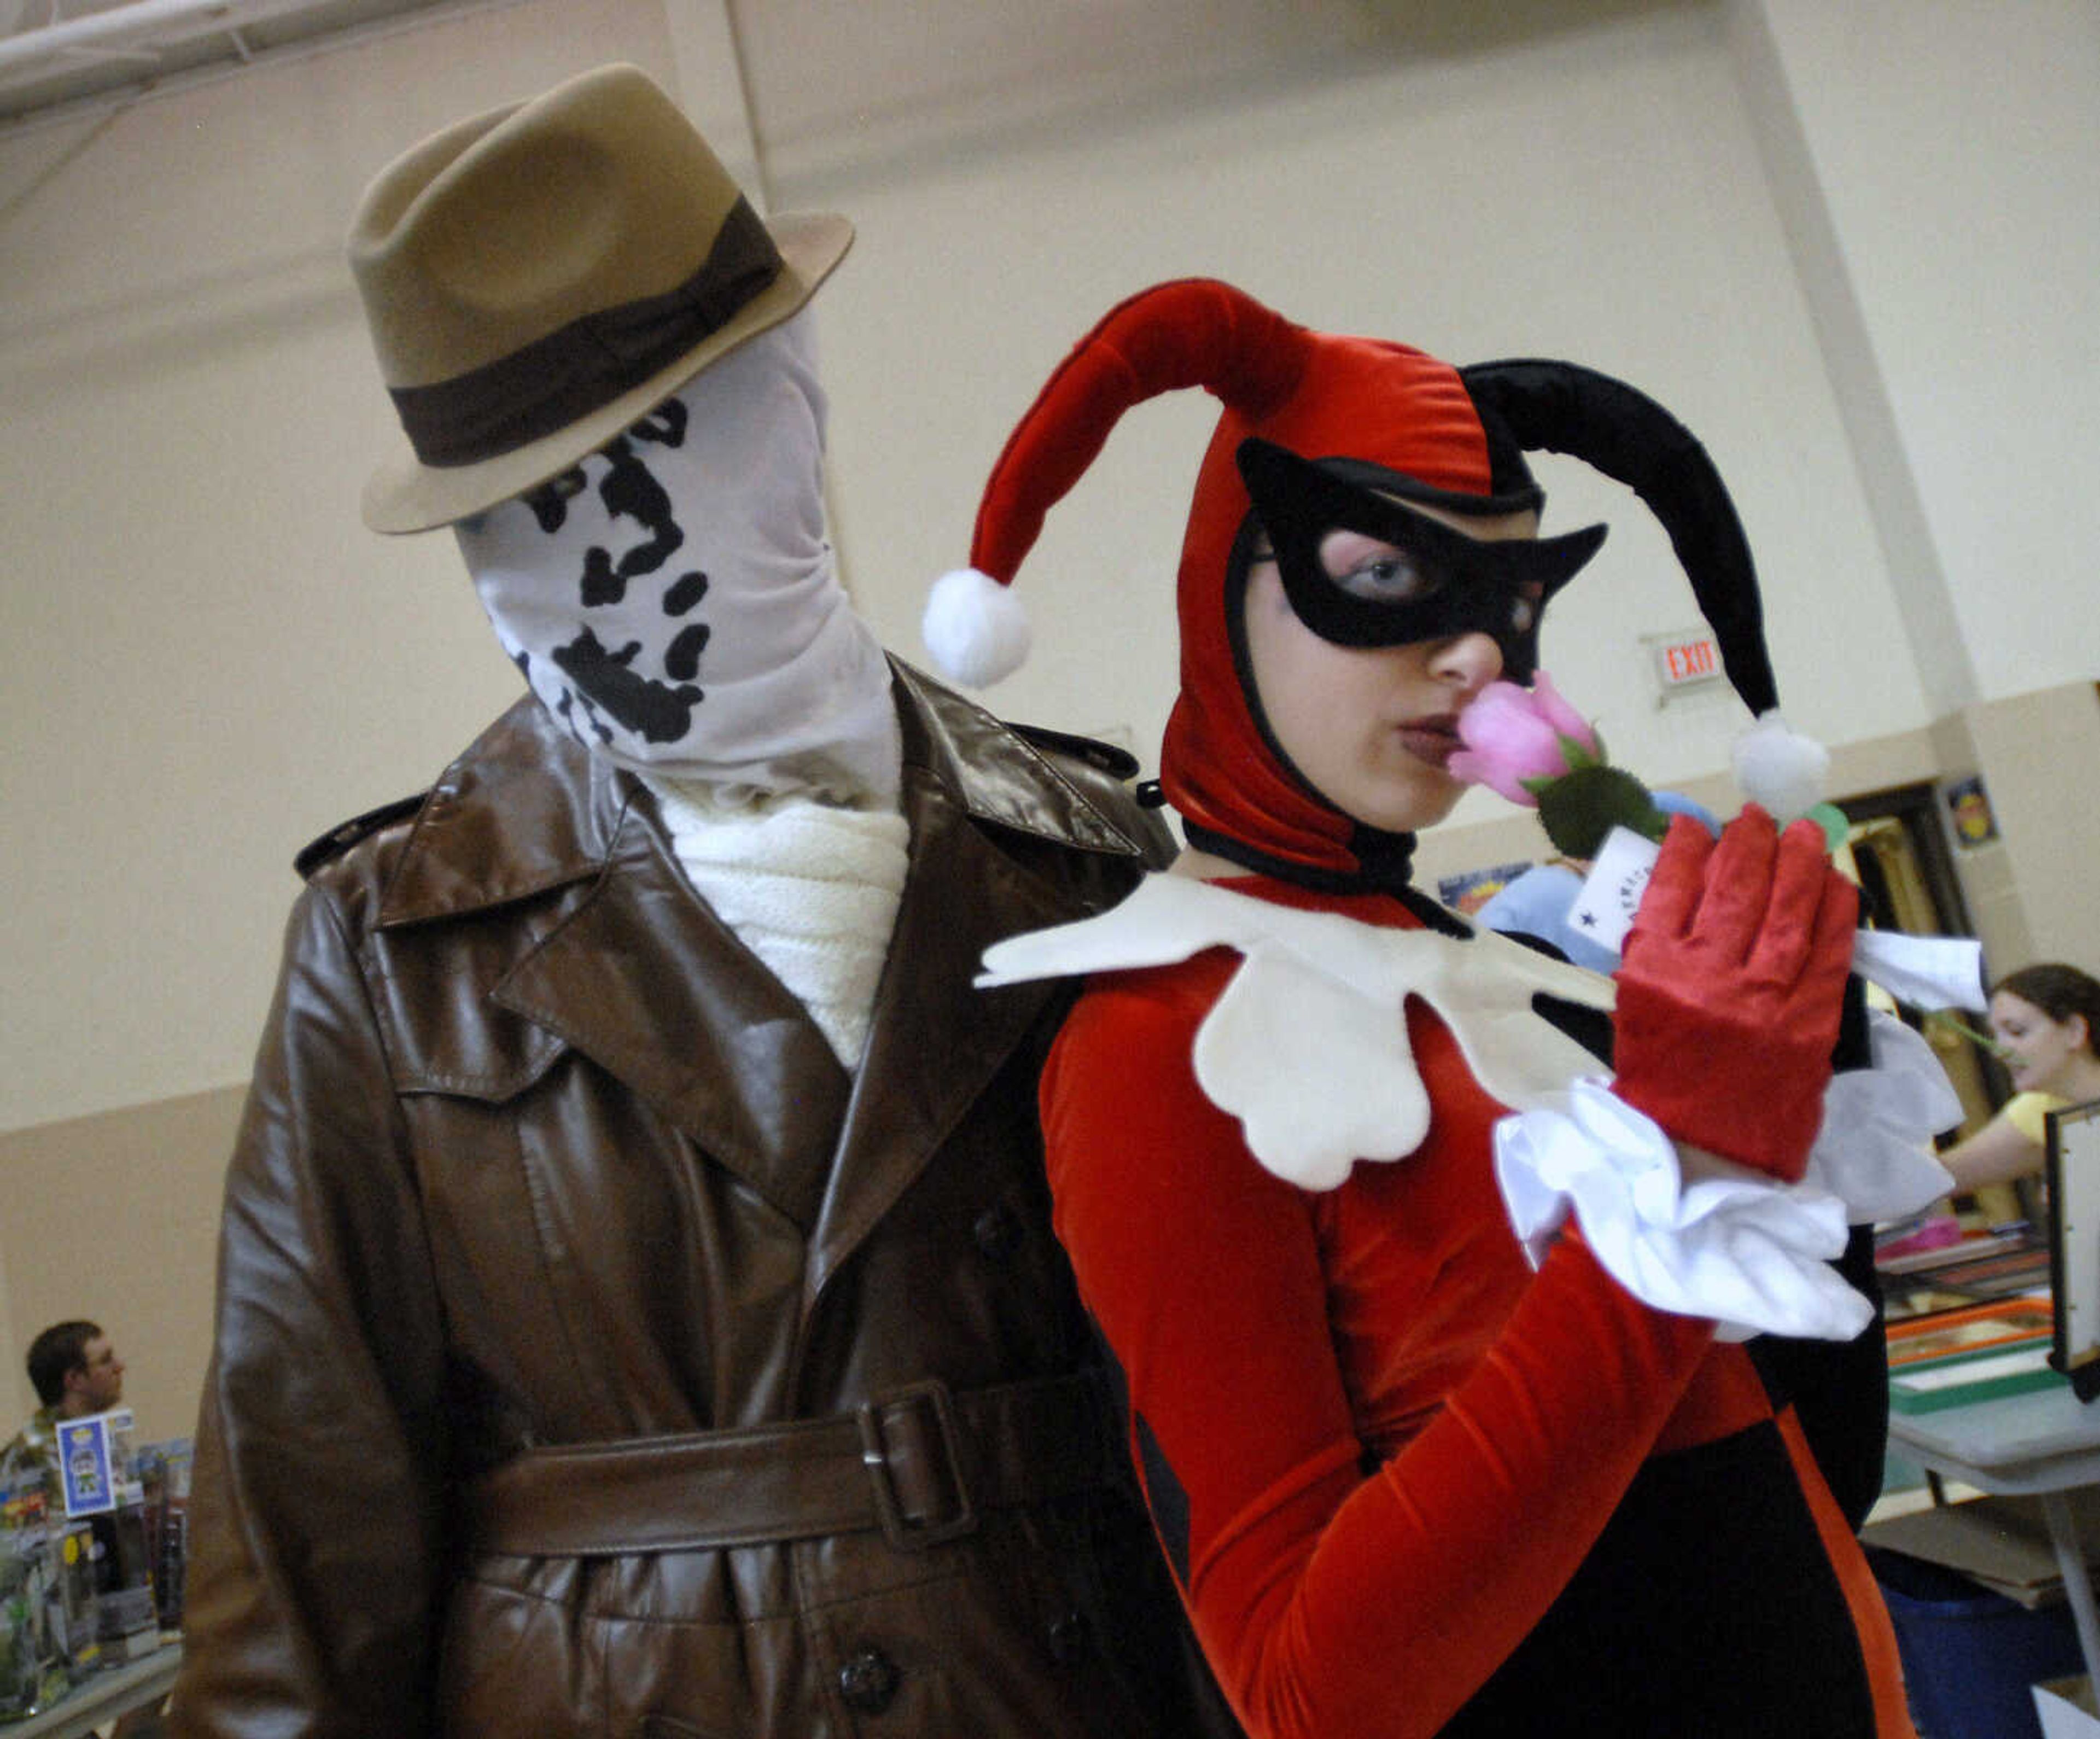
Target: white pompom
(1783,771)
(975,627)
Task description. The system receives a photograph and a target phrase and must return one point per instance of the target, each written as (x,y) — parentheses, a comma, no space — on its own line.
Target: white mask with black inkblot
(674,600)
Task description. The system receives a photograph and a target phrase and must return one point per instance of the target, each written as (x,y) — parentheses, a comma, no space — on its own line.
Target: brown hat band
(551,382)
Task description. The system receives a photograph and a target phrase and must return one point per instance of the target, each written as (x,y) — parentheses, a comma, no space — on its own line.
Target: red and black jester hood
(1452,434)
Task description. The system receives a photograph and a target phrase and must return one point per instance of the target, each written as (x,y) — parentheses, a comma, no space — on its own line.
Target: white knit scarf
(810,888)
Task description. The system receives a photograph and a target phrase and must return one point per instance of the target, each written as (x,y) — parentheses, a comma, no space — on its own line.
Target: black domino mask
(1433,582)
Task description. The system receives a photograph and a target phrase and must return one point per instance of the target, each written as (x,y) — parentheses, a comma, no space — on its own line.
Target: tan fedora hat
(539,277)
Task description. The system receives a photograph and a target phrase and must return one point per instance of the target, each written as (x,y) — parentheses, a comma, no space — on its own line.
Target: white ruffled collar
(1307,1046)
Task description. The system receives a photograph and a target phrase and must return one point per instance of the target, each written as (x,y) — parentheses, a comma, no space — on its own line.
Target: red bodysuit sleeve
(1331,1602)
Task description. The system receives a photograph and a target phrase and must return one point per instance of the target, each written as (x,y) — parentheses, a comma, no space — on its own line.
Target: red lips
(1433,739)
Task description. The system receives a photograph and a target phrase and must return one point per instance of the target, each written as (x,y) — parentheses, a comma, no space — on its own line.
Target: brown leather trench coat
(538,1156)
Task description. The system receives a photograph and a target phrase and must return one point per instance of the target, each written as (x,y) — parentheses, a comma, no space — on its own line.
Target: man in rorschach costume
(637,1312)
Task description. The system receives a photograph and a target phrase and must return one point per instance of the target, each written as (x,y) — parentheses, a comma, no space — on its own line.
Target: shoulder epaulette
(340,838)
(1105,757)
(1124,803)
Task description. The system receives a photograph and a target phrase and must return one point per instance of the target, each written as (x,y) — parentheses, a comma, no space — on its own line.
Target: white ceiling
(57,53)
(814,68)
(821,68)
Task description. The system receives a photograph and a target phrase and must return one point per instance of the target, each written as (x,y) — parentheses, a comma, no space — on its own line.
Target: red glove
(1732,987)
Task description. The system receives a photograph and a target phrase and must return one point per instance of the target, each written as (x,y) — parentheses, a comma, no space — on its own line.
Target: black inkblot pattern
(550,501)
(653,711)
(630,491)
(603,584)
(682,662)
(665,426)
(603,683)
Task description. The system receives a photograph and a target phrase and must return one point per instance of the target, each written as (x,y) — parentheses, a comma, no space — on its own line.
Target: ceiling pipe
(142,25)
(96,105)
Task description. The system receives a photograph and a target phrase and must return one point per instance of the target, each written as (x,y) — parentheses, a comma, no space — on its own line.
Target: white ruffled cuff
(1874,1150)
(1695,1236)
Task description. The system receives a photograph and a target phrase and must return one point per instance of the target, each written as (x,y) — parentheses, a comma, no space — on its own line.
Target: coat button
(1069,1639)
(868,1681)
(997,1232)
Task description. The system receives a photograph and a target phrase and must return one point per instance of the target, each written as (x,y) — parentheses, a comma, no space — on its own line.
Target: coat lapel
(935,1041)
(707,1035)
(638,975)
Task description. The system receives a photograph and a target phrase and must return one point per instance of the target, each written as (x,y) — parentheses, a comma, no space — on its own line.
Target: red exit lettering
(1689,660)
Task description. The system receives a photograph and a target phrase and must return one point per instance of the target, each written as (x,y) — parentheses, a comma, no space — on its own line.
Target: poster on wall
(1969,810)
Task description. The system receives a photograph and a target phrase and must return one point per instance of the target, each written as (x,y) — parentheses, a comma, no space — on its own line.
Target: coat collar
(496,828)
(713,1040)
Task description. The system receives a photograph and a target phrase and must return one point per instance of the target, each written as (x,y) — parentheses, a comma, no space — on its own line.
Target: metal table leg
(2077,1579)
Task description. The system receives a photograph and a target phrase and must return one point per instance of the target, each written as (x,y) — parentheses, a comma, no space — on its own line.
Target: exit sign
(1685,660)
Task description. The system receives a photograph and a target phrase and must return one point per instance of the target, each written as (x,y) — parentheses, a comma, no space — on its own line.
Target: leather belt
(920,1463)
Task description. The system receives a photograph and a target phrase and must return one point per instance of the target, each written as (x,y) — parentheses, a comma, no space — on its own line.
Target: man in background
(75,1371)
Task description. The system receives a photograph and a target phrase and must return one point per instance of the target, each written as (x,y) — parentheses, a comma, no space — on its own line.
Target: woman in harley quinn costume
(1410,1483)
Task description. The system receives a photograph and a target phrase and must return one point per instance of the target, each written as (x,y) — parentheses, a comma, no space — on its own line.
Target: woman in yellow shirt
(2046,1020)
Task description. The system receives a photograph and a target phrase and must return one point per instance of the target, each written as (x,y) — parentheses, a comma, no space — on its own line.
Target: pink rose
(1512,735)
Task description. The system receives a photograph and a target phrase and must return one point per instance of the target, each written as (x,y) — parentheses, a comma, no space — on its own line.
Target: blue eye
(1390,578)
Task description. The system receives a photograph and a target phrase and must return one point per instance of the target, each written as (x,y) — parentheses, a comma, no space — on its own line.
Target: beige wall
(112,1217)
(1954,146)
(1476,221)
(2031,892)
(206,661)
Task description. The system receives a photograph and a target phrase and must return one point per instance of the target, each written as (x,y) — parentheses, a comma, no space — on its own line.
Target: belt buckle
(903,1534)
